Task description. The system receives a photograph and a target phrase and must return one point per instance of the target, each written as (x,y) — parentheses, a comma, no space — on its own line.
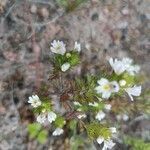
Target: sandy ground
(104,28)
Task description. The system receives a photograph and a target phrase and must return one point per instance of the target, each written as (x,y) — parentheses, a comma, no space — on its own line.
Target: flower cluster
(87,105)
(45,115)
(65,60)
(126,64)
(124,69)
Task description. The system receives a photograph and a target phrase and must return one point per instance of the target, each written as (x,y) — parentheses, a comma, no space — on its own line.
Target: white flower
(51,116)
(41,118)
(77,46)
(122,82)
(46,116)
(106,88)
(127,61)
(93,104)
(58,47)
(130,68)
(65,67)
(76,103)
(58,131)
(125,117)
(126,64)
(108,144)
(81,116)
(113,130)
(134,91)
(34,101)
(117,65)
(107,106)
(100,115)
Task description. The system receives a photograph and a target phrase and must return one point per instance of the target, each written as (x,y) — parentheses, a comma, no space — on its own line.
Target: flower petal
(58,131)
(102,81)
(65,67)
(100,140)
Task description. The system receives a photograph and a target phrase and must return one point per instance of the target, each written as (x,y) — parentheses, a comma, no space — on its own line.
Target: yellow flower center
(106,87)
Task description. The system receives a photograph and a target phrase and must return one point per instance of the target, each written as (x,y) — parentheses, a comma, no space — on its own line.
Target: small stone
(2,5)
(148,16)
(33,9)
(44,13)
(117,36)
(94,17)
(125,11)
(122,25)
(88,46)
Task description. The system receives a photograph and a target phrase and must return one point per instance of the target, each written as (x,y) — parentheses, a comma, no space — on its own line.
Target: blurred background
(105,28)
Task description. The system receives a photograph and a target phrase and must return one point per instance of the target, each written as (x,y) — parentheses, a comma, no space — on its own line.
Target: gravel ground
(104,28)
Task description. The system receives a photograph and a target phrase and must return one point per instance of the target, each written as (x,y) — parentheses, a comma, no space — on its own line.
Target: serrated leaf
(59,122)
(58,61)
(74,58)
(94,130)
(129,79)
(42,136)
(34,129)
(72,124)
(85,89)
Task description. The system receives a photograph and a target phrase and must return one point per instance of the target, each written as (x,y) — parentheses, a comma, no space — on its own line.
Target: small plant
(70,5)
(83,101)
(136,144)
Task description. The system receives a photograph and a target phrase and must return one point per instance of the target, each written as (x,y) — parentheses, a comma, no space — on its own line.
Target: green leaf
(42,136)
(58,61)
(129,79)
(46,105)
(59,122)
(63,3)
(72,124)
(76,141)
(74,58)
(85,90)
(34,129)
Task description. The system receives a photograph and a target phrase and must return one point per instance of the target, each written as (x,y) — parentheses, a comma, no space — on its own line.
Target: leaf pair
(36,132)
